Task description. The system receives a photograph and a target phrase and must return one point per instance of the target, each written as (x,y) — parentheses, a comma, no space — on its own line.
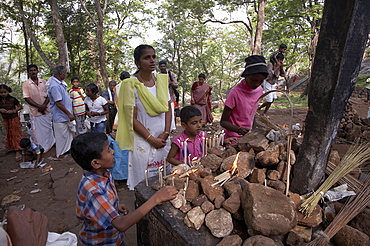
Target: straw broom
(353,207)
(354,157)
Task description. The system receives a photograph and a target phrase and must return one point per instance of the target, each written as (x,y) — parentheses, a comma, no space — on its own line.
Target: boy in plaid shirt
(97,201)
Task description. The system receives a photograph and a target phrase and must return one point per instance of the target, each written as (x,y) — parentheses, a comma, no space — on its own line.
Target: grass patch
(298,102)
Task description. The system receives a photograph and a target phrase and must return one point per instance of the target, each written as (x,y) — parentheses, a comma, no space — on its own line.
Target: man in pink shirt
(238,114)
(35,94)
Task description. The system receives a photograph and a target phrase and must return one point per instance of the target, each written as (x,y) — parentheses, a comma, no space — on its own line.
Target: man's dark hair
(87,147)
(75,77)
(283,46)
(162,62)
(124,75)
(24,143)
(280,56)
(93,87)
(31,66)
(189,112)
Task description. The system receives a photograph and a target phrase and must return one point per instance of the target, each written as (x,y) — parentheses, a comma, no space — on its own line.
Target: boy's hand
(157,142)
(230,140)
(123,209)
(165,194)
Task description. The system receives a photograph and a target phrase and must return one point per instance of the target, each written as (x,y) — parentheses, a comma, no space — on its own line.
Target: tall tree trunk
(259,27)
(339,53)
(101,47)
(32,36)
(62,59)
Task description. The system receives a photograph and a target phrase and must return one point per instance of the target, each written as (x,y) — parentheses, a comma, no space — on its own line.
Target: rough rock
(362,221)
(303,232)
(232,204)
(245,164)
(205,172)
(218,201)
(192,191)
(334,157)
(232,186)
(259,240)
(10,199)
(186,208)
(215,150)
(199,200)
(231,240)
(294,239)
(277,185)
(179,200)
(195,218)
(211,161)
(315,217)
(273,175)
(268,158)
(219,222)
(229,152)
(211,191)
(261,143)
(283,157)
(207,206)
(180,169)
(258,176)
(349,236)
(267,211)
(282,168)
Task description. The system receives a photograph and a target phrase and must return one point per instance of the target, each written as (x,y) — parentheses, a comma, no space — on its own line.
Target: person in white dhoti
(35,94)
(61,109)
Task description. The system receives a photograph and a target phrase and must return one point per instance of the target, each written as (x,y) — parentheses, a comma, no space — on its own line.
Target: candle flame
(235,164)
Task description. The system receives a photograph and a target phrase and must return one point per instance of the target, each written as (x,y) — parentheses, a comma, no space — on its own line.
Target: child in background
(33,148)
(191,121)
(78,95)
(97,201)
(96,108)
(9,107)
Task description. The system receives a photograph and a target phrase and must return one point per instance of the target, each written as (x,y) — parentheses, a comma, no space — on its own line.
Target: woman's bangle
(148,137)
(167,133)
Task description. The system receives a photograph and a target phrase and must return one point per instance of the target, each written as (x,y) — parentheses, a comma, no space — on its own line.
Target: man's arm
(61,106)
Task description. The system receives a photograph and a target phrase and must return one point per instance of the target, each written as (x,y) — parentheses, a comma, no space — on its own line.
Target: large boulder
(211,161)
(267,211)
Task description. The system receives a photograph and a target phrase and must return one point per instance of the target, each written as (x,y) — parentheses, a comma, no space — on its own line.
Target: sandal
(18,158)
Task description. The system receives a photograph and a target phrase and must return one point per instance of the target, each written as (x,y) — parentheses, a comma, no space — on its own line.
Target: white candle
(146,177)
(185,151)
(204,147)
(164,166)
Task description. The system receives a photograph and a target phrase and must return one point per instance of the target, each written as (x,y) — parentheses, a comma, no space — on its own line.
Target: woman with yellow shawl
(144,118)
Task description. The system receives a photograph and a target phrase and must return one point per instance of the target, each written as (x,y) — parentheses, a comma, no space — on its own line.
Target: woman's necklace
(147,83)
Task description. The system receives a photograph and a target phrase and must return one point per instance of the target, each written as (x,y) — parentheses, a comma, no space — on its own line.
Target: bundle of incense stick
(353,207)
(352,182)
(271,124)
(354,157)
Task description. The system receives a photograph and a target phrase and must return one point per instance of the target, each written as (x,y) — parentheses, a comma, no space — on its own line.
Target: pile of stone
(352,126)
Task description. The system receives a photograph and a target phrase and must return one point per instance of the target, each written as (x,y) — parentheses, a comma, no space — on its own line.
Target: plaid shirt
(97,205)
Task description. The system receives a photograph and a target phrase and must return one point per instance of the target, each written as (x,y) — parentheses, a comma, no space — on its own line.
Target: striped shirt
(97,205)
(77,101)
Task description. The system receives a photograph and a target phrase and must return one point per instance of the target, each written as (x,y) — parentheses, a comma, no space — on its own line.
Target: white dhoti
(63,137)
(42,131)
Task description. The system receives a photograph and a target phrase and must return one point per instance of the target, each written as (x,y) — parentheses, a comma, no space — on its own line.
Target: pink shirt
(242,100)
(195,149)
(37,93)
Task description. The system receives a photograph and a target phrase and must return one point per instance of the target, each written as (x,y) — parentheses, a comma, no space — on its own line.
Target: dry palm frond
(352,208)
(354,157)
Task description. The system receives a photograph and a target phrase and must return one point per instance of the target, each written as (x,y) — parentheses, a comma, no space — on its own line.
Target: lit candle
(189,160)
(173,181)
(204,147)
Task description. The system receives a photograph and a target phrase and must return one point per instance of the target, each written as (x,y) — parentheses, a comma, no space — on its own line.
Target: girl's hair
(93,87)
(5,87)
(139,50)
(75,77)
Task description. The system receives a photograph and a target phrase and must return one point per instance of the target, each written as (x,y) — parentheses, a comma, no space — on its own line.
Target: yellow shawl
(153,106)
